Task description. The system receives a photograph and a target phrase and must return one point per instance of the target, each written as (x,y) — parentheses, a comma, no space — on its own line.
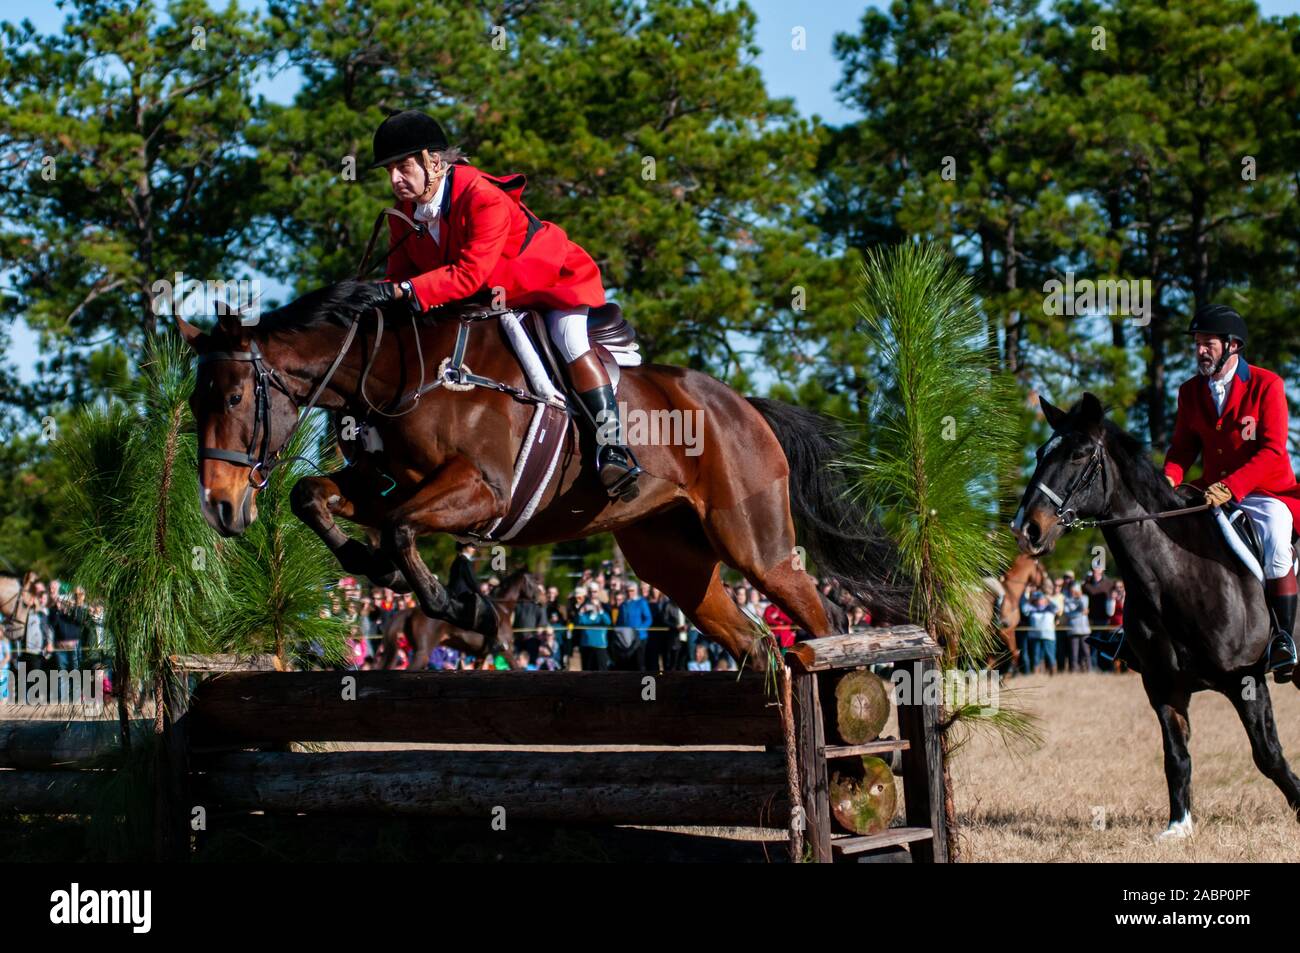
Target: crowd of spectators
(604,620)
(1057,618)
(50,630)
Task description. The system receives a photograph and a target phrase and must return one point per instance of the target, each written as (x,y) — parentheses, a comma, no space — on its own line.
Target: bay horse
(1024,572)
(447,459)
(425,634)
(1195,618)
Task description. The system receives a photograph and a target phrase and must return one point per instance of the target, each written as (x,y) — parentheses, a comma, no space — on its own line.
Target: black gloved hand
(385,291)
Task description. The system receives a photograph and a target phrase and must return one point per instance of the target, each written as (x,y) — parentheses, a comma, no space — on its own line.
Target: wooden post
(172,803)
(923,767)
(814,787)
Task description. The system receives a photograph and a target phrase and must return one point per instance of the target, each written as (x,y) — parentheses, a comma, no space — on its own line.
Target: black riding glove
(385,290)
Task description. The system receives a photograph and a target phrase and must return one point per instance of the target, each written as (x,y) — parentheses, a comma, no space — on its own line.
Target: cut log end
(861,707)
(863,798)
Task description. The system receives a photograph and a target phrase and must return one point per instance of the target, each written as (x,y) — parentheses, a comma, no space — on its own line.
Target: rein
(1163,514)
(417,228)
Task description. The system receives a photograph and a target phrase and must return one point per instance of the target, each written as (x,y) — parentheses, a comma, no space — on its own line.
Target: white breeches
(1272,521)
(568,329)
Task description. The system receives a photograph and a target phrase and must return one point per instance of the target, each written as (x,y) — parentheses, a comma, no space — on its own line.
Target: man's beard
(1205,366)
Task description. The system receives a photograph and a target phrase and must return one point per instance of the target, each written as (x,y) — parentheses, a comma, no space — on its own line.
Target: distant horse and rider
(1203,612)
(997,600)
(424,634)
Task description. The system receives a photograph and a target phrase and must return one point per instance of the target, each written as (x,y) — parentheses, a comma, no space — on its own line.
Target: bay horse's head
(520,585)
(243,411)
(1069,481)
(245,406)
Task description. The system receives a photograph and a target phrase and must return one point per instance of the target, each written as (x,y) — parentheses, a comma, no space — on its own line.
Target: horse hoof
(1178,830)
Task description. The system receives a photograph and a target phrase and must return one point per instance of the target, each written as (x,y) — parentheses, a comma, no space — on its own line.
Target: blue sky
(808,77)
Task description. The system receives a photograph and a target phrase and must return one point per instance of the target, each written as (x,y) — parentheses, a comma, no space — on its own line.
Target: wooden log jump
(746,779)
(734,788)
(61,744)
(526,708)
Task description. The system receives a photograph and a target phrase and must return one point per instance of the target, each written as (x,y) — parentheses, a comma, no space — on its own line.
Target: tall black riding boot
(1281,650)
(616,465)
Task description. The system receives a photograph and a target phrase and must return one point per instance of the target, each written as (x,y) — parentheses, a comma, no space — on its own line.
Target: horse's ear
(1055,415)
(1091,413)
(193,336)
(230,323)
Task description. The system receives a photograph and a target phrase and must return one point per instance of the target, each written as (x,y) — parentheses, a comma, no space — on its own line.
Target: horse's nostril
(1032,531)
(224,512)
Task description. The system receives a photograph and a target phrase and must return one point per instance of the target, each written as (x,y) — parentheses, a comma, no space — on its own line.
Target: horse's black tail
(847,545)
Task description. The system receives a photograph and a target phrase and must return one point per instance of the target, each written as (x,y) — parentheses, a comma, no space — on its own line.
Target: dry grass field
(1101,758)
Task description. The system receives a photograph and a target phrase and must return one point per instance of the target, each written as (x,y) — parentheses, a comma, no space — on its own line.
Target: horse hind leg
(1256,714)
(672,553)
(758,539)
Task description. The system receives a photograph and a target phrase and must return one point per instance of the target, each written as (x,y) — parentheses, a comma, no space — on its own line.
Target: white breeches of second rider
(568,330)
(1272,520)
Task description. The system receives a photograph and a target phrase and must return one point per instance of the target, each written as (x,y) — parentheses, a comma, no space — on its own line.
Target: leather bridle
(1064,512)
(260,458)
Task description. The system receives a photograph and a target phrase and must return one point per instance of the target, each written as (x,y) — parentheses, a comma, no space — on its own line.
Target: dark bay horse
(446,466)
(1195,618)
(426,634)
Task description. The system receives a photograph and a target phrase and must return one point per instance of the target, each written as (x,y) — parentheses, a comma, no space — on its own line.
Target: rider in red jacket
(476,235)
(1234,417)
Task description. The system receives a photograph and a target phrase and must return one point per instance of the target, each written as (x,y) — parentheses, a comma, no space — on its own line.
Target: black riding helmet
(1223,321)
(1220,320)
(405,134)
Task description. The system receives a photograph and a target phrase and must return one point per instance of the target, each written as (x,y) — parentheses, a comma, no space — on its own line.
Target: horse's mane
(335,304)
(1143,480)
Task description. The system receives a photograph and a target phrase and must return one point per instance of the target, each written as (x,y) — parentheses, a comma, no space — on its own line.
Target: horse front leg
(1171,709)
(316,501)
(455,499)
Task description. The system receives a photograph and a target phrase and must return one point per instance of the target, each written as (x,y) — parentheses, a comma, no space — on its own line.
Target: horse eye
(235,399)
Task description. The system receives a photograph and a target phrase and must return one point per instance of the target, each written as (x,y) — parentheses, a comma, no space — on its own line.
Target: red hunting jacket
(1256,398)
(488,239)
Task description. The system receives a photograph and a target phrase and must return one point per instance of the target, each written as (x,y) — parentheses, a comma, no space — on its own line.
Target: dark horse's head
(1070,480)
(245,406)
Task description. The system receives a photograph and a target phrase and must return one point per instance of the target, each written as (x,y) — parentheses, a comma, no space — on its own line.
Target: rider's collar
(1241,372)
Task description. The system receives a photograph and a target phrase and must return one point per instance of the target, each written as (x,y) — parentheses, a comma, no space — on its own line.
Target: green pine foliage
(938,438)
(277,576)
(131,512)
